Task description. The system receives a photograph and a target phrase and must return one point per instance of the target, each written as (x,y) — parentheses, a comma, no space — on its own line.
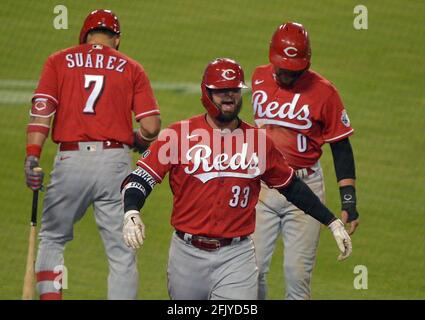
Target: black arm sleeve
(303,198)
(343,159)
(136,188)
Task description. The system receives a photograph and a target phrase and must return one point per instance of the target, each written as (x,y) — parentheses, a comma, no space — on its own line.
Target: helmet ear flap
(207,102)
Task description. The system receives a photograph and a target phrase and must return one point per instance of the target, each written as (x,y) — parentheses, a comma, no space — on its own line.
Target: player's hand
(139,144)
(34,178)
(133,230)
(353,224)
(349,213)
(342,239)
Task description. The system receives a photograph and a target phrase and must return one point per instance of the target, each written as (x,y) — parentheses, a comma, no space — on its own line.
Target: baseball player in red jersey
(300,111)
(91,91)
(216,162)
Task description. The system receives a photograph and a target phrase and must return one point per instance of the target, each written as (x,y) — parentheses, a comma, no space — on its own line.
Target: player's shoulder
(178,130)
(245,125)
(320,81)
(191,123)
(259,133)
(124,56)
(63,52)
(262,70)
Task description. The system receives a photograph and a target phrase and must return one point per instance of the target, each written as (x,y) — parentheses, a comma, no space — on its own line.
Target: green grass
(380,75)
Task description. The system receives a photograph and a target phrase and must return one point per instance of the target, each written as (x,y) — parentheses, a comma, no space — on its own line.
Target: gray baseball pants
(229,273)
(89,176)
(300,235)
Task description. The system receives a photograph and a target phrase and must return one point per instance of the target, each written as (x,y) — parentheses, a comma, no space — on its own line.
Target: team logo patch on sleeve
(344,118)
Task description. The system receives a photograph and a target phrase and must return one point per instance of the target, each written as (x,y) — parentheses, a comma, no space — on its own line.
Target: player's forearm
(37,133)
(304,198)
(150,127)
(146,133)
(343,157)
(136,188)
(346,176)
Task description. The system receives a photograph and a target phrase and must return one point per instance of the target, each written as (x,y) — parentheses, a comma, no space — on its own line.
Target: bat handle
(35,202)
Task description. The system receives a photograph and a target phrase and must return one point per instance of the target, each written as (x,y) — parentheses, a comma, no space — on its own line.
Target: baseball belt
(206,243)
(74,146)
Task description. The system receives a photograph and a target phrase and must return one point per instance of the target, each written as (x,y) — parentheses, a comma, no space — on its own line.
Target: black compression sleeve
(343,159)
(303,198)
(136,188)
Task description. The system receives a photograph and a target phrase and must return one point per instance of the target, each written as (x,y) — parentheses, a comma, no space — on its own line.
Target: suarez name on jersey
(92,91)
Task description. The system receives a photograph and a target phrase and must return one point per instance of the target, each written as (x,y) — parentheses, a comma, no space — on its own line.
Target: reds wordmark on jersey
(299,119)
(214,175)
(86,86)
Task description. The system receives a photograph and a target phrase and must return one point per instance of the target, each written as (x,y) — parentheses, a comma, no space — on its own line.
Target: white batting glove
(342,238)
(133,230)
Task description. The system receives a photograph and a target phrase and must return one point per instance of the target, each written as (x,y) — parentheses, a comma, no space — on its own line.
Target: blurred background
(380,74)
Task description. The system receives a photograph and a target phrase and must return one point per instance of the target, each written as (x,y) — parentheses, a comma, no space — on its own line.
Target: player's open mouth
(228,106)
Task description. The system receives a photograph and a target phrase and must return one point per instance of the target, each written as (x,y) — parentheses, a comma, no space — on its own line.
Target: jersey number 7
(94,95)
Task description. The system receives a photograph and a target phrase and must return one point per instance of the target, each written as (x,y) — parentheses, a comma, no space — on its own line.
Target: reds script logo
(222,165)
(291,55)
(229,74)
(273,113)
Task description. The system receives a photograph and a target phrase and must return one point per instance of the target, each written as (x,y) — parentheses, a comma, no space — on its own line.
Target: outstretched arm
(304,198)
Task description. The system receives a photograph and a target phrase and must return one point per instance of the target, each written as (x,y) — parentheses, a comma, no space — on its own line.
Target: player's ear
(117,42)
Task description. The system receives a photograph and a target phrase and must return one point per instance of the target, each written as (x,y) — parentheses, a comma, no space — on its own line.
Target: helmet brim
(226,85)
(293,64)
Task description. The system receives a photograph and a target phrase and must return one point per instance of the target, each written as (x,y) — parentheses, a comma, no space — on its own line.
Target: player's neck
(216,124)
(98,39)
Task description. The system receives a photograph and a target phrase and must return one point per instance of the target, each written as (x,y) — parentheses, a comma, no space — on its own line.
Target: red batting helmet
(222,73)
(100,19)
(290,47)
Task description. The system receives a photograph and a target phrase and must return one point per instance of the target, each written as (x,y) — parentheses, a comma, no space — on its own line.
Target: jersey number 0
(94,95)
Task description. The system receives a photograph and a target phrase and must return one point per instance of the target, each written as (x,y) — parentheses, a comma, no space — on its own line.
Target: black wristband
(136,188)
(349,202)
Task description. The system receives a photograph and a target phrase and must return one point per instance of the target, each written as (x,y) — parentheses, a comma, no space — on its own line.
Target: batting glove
(34,178)
(342,238)
(133,230)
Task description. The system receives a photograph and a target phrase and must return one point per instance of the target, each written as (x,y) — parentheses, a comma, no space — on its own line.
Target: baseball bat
(28,289)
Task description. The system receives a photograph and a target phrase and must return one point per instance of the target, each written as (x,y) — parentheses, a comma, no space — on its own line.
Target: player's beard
(287,78)
(227,117)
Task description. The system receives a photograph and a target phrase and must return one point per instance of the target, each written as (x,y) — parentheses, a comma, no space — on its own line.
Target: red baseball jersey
(299,119)
(215,175)
(93,90)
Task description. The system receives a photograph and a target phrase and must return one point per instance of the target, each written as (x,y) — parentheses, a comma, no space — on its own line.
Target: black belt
(206,243)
